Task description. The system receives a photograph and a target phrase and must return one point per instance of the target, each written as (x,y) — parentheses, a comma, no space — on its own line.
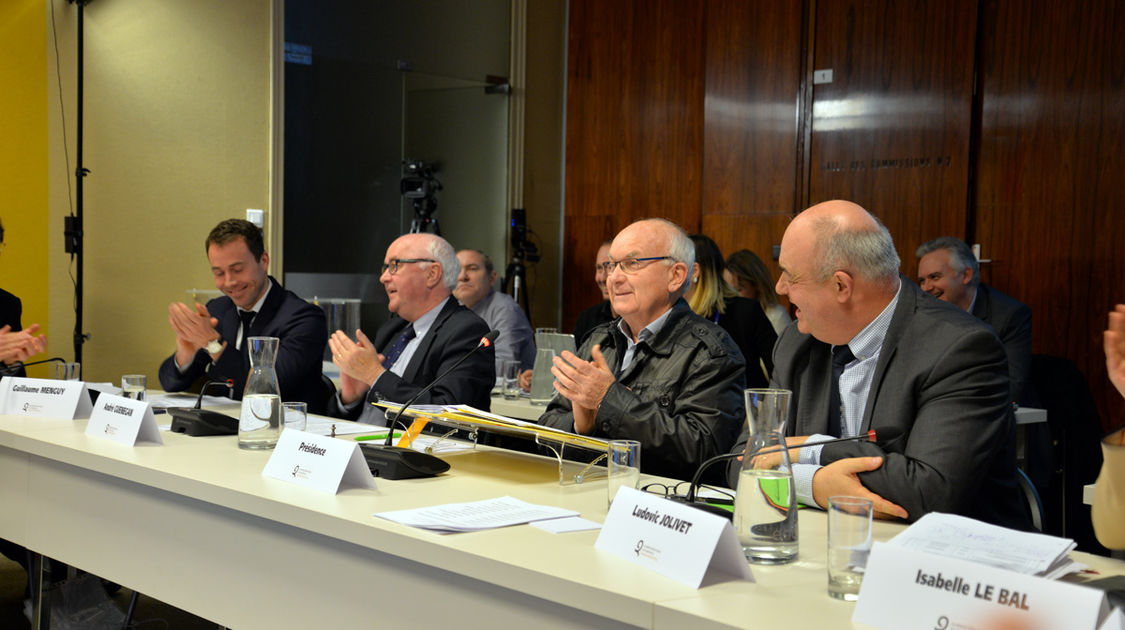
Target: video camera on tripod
(420,186)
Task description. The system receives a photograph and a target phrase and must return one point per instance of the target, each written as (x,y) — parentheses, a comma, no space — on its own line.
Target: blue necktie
(841,356)
(392,355)
(246,317)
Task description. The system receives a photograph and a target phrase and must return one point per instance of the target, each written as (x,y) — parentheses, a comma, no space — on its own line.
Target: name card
(123,420)
(44,398)
(905,588)
(673,539)
(319,462)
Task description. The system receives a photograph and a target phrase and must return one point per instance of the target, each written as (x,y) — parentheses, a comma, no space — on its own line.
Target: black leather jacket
(681,397)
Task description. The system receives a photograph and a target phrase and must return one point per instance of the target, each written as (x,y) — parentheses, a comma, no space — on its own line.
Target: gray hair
(680,247)
(863,252)
(441,251)
(960,255)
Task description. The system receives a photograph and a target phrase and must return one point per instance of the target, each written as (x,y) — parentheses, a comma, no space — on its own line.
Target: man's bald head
(847,237)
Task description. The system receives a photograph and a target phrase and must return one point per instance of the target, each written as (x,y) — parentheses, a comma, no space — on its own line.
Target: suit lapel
(269,309)
(904,311)
(814,418)
(424,345)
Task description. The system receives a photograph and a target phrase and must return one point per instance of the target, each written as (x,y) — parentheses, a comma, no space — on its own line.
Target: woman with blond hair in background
(710,296)
(749,276)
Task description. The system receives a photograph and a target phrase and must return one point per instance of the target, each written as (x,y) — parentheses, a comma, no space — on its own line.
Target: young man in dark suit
(211,340)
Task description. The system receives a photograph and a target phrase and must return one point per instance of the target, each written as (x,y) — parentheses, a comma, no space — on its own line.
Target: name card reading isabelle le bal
(673,539)
(123,420)
(319,462)
(905,588)
(44,398)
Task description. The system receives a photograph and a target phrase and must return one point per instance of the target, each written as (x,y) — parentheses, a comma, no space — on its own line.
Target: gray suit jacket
(1011,319)
(942,380)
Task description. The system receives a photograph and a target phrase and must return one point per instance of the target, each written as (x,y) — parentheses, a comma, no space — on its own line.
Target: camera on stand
(515,275)
(421,187)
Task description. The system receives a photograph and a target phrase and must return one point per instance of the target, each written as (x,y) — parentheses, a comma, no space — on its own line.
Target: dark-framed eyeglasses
(632,265)
(396,263)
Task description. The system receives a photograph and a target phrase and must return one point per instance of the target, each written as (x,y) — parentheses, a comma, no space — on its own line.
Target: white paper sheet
(475,515)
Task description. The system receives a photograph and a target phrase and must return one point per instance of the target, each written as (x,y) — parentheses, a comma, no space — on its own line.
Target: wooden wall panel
(1049,199)
(753,70)
(634,126)
(891,131)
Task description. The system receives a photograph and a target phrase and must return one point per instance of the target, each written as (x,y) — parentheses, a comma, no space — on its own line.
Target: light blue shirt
(516,342)
(855,385)
(646,333)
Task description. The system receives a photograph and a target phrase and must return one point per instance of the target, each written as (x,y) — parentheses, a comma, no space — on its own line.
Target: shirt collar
(648,331)
(867,342)
(422,324)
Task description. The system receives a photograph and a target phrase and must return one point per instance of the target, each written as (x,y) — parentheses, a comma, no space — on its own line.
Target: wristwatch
(214,346)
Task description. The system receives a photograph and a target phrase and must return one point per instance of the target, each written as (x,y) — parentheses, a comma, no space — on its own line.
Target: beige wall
(177,138)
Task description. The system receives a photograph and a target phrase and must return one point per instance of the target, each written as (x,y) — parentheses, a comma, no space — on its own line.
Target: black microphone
(196,421)
(11,369)
(394,462)
(885,436)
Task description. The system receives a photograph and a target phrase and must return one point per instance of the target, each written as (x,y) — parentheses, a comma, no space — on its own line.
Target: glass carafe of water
(259,423)
(765,506)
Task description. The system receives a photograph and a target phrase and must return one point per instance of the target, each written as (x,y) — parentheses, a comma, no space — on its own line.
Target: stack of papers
(475,516)
(969,539)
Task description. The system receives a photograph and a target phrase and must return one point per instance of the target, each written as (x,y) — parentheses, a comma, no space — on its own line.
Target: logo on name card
(646,551)
(30,408)
(301,473)
(110,429)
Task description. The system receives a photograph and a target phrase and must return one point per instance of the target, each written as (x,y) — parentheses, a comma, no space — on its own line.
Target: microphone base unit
(201,422)
(393,462)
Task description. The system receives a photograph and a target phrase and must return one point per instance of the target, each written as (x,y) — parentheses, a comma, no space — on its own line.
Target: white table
(194,523)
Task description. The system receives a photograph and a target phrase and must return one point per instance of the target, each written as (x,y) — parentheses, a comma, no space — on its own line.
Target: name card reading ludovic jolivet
(673,539)
(904,588)
(123,420)
(318,462)
(44,398)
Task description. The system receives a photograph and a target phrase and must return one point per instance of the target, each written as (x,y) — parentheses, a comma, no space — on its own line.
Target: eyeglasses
(395,263)
(631,265)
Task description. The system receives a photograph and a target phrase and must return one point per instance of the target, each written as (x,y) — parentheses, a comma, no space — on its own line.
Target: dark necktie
(841,356)
(392,355)
(246,317)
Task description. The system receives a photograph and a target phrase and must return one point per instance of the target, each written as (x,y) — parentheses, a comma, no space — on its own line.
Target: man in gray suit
(904,363)
(948,270)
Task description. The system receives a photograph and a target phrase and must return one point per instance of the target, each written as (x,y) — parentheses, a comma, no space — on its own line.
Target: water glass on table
(849,544)
(623,464)
(510,371)
(133,386)
(68,371)
(295,415)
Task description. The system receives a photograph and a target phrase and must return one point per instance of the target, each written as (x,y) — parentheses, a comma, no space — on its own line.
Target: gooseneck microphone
(885,437)
(12,368)
(394,462)
(196,421)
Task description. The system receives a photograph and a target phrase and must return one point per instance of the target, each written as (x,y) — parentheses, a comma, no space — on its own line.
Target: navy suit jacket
(1011,319)
(454,333)
(942,381)
(303,334)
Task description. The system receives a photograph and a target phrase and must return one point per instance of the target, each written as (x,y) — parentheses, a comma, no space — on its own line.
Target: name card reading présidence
(319,462)
(123,420)
(906,588)
(44,398)
(673,539)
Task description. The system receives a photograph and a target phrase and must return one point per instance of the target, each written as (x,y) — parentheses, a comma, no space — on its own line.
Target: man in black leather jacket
(659,374)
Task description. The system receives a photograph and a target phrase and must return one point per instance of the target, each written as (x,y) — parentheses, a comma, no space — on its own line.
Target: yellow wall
(23,162)
(177,138)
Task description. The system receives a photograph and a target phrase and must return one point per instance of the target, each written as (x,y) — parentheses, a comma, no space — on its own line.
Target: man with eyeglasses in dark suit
(429,332)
